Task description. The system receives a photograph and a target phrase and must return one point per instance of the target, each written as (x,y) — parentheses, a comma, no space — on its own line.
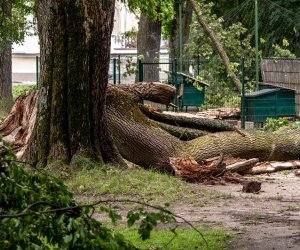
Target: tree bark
(218,45)
(148,45)
(143,142)
(6,61)
(75,52)
(5,75)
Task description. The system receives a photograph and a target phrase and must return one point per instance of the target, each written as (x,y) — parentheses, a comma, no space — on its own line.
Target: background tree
(13,23)
(173,30)
(278,21)
(154,15)
(75,52)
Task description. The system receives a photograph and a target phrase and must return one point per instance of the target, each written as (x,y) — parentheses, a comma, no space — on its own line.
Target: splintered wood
(18,125)
(219,170)
(211,171)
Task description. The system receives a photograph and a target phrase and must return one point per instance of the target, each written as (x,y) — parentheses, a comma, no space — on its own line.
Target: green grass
(17,90)
(293,208)
(5,107)
(92,181)
(186,239)
(89,179)
(21,89)
(132,183)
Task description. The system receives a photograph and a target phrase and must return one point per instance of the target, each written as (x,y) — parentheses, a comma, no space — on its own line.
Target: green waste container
(269,102)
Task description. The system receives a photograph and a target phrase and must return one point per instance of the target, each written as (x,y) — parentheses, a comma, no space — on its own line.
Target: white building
(24,67)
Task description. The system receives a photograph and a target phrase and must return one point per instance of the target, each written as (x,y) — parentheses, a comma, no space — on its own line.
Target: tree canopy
(14,21)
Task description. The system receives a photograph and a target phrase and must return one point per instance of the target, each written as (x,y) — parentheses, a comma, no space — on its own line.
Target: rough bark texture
(143,142)
(5,61)
(5,75)
(148,45)
(204,124)
(218,45)
(75,47)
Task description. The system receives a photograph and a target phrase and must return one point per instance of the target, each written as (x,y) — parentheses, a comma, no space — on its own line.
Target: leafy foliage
(14,21)
(18,90)
(275,124)
(210,69)
(38,212)
(162,10)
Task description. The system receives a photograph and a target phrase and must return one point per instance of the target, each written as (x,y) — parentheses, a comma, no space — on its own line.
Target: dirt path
(268,220)
(265,221)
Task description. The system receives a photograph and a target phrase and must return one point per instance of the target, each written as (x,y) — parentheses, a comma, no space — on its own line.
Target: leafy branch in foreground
(38,212)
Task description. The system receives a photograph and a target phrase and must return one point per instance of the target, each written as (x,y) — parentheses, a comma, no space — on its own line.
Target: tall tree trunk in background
(5,61)
(5,75)
(187,13)
(75,51)
(148,45)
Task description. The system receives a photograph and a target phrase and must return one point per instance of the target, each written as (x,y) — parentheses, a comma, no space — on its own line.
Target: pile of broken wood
(223,169)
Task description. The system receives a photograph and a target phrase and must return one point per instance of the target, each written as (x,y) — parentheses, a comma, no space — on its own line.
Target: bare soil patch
(267,220)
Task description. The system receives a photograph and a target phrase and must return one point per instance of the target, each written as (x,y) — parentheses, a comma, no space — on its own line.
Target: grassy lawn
(92,180)
(95,181)
(185,239)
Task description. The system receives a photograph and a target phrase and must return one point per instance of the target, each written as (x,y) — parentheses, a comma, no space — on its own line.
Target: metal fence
(205,88)
(221,98)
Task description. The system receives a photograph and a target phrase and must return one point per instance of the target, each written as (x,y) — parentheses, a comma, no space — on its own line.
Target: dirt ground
(268,220)
(264,221)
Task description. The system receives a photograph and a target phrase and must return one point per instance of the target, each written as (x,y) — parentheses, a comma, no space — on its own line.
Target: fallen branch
(271,167)
(242,166)
(197,123)
(184,134)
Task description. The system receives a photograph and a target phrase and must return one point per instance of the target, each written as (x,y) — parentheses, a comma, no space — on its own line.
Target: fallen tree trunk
(198,123)
(143,142)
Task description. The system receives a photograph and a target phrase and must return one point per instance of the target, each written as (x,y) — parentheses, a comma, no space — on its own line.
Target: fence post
(115,70)
(37,70)
(198,65)
(243,95)
(141,70)
(119,69)
(174,73)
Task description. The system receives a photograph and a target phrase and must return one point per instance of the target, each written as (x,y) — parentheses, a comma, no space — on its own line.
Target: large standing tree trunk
(148,45)
(75,48)
(5,60)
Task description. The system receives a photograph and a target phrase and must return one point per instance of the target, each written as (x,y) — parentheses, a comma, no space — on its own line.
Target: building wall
(24,67)
(24,55)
